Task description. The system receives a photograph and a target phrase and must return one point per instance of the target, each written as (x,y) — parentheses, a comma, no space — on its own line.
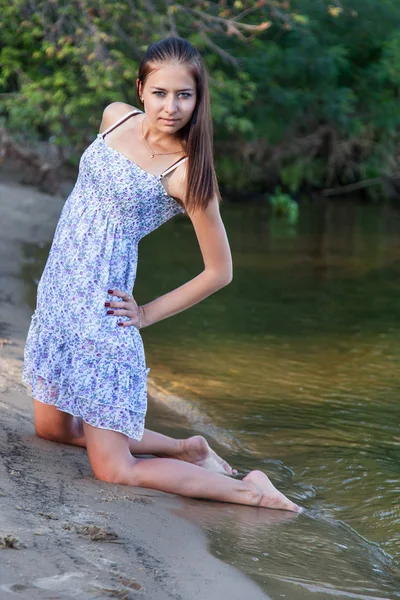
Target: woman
(84,355)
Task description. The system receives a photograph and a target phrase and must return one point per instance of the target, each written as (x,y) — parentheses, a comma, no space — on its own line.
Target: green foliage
(279,72)
(300,172)
(284,206)
(61,63)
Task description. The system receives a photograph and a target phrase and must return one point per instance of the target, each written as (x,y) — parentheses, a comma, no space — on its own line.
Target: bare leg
(112,461)
(58,426)
(194,450)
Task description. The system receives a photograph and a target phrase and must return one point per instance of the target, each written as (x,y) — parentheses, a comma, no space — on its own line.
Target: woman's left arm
(217,273)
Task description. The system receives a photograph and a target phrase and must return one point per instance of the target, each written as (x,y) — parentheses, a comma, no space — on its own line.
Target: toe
(289,505)
(227,468)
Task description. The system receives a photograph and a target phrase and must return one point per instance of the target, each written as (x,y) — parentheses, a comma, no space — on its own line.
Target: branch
(172,23)
(247,11)
(281,16)
(101,49)
(150,6)
(230,24)
(128,40)
(352,187)
(222,53)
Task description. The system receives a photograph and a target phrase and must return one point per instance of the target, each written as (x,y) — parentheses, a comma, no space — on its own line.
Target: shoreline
(75,536)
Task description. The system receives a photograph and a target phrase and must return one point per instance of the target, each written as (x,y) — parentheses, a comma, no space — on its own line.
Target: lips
(170,121)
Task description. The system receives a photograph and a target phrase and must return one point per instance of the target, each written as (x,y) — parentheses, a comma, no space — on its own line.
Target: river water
(293,369)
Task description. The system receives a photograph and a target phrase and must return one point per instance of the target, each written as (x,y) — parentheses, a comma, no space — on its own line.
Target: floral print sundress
(77,358)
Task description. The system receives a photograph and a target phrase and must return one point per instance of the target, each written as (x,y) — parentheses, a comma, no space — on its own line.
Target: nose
(170,104)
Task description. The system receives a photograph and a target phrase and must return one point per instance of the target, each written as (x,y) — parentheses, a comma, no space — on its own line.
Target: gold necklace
(152,153)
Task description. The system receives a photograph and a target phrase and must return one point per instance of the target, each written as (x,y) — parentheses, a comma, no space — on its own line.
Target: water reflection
(295,555)
(293,368)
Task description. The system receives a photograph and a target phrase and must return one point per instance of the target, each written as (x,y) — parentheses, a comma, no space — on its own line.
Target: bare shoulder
(113,112)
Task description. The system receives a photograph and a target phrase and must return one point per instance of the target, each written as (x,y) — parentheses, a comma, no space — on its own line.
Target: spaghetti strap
(174,166)
(121,120)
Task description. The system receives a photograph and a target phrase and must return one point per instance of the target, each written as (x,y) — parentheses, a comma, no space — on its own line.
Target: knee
(108,475)
(111,472)
(52,424)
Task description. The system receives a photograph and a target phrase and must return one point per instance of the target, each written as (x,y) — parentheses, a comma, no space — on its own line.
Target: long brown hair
(197,134)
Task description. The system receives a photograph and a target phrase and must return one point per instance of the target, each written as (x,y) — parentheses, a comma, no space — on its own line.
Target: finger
(117,304)
(128,324)
(119,313)
(124,295)
(120,293)
(115,292)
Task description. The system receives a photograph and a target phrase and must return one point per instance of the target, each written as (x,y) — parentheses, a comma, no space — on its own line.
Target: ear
(139,88)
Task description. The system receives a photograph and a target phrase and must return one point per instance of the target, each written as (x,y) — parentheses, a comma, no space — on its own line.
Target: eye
(158,92)
(186,94)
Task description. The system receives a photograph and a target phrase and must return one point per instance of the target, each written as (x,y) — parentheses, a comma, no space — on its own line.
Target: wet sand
(64,534)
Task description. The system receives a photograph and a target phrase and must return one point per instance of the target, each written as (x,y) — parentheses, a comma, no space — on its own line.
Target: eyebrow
(164,90)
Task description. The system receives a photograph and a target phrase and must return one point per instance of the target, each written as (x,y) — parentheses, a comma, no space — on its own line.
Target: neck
(157,139)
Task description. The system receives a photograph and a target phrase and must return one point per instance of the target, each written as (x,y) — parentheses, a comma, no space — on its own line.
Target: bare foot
(196,450)
(271,497)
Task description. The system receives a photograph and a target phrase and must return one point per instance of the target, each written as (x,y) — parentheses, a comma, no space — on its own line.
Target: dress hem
(131,434)
(87,422)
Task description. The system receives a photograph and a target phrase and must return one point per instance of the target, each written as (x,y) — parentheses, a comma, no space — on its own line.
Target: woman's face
(169,96)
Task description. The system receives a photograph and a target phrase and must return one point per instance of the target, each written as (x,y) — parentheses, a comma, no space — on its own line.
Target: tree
(304,92)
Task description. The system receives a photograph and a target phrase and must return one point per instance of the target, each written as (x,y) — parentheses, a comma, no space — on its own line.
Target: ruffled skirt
(102,379)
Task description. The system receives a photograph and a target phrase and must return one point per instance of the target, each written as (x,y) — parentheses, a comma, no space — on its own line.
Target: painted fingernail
(110,292)
(107,303)
(110,312)
(120,324)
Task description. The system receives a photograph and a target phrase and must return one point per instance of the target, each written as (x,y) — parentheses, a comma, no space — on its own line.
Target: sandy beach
(64,534)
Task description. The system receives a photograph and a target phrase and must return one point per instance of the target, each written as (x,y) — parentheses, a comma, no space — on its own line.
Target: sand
(64,534)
